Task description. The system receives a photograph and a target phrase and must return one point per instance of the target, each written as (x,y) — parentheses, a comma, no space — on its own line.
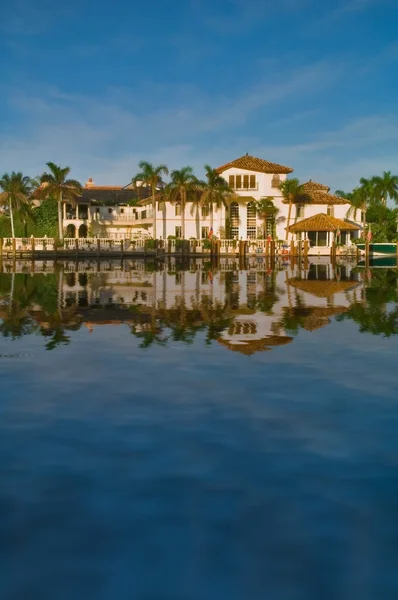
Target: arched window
(251,221)
(234,218)
(83,231)
(276,181)
(71,231)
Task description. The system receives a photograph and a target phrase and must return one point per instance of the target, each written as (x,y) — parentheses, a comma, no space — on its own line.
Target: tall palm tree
(151,177)
(182,187)
(361,199)
(16,190)
(386,187)
(56,185)
(266,209)
(215,192)
(292,191)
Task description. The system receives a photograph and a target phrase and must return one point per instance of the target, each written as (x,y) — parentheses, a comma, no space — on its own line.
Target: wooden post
(292,249)
(242,248)
(306,248)
(98,246)
(218,247)
(77,246)
(1,246)
(272,248)
(14,246)
(367,253)
(32,245)
(121,247)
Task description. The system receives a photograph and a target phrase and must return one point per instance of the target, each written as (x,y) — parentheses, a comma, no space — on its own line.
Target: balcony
(145,217)
(250,188)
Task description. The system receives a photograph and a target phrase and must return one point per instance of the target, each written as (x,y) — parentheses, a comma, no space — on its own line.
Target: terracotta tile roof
(251,163)
(319,197)
(250,347)
(314,186)
(323,289)
(322,222)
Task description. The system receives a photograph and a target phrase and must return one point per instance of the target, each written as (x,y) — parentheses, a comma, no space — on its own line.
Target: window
(234,218)
(251,221)
(205,211)
(276,181)
(82,212)
(177,210)
(122,211)
(330,210)
(178,231)
(246,182)
(205,232)
(318,238)
(110,211)
(70,212)
(299,211)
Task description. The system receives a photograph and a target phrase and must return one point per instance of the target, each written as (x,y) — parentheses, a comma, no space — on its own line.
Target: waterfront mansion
(108,211)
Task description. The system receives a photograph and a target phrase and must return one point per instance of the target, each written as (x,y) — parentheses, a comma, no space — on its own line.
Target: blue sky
(100,85)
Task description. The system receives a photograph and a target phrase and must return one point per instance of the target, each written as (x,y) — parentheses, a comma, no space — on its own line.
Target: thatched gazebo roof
(321,222)
(322,288)
(250,347)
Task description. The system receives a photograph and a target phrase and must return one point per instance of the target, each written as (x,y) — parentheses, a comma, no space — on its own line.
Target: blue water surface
(187,465)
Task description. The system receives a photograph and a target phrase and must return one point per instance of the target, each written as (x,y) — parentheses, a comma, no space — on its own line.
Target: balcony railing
(245,188)
(117,218)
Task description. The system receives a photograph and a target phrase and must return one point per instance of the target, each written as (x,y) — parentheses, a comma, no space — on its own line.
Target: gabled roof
(321,222)
(251,163)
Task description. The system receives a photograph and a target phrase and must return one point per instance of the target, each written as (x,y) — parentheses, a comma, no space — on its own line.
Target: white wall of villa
(126,222)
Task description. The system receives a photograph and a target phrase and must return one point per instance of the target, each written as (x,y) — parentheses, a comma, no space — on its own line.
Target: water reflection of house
(263,307)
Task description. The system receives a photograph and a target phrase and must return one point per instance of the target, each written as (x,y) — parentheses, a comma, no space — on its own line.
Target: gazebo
(321,229)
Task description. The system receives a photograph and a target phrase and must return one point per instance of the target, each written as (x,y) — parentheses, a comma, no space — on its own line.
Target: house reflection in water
(245,310)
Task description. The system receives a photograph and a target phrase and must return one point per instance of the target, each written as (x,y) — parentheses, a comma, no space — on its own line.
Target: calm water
(198,431)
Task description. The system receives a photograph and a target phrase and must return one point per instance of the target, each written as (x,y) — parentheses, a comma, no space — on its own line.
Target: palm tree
(266,209)
(16,190)
(56,185)
(361,198)
(292,191)
(215,191)
(181,188)
(386,186)
(151,177)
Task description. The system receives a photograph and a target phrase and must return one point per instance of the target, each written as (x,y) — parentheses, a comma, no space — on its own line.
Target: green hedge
(44,222)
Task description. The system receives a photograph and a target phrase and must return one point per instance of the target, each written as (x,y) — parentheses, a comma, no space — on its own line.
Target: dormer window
(242,182)
(276,181)
(300,211)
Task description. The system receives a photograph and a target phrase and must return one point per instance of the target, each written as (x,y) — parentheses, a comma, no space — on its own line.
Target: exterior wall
(120,222)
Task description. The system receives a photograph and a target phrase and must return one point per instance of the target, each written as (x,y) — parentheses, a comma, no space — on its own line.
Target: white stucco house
(105,211)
